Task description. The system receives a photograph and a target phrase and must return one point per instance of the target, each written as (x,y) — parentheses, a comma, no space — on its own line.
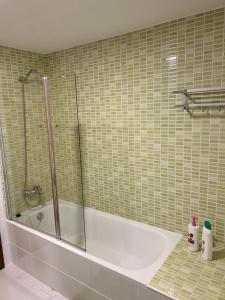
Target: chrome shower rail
(207,105)
(200,91)
(189,102)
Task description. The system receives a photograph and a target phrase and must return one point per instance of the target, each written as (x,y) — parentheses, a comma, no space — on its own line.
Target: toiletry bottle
(193,235)
(207,241)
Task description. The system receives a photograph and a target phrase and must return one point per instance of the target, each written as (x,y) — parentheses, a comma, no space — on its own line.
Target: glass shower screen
(61,96)
(42,159)
(25,153)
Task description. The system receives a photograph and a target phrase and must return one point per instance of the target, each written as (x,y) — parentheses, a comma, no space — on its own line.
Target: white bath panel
(145,293)
(112,284)
(60,258)
(68,286)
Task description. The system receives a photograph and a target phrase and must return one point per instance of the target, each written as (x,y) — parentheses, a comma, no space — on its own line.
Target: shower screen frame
(52,160)
(5,177)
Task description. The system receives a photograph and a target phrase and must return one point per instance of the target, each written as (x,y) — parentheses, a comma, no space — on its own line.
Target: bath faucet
(36,190)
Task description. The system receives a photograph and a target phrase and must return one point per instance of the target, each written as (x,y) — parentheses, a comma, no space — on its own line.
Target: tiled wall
(15,63)
(142,158)
(66,139)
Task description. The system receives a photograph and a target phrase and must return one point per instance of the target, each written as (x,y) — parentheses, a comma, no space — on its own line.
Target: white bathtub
(132,250)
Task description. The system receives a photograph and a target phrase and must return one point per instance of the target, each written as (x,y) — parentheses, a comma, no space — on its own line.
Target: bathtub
(130,250)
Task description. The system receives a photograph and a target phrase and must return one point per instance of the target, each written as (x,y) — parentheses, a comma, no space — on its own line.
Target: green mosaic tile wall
(14,63)
(66,139)
(142,158)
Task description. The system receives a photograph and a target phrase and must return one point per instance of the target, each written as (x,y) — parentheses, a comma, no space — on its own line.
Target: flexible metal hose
(25,152)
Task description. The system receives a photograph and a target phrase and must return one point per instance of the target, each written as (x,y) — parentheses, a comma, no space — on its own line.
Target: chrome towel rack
(191,99)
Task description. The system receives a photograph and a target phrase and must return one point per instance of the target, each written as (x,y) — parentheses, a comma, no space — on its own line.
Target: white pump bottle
(193,235)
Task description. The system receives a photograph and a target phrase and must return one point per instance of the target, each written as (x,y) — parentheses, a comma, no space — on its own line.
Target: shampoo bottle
(207,241)
(193,235)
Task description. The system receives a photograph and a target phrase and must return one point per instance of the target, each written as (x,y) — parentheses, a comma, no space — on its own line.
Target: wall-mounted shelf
(203,99)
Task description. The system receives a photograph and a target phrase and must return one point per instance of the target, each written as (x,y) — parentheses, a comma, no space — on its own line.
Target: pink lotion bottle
(193,235)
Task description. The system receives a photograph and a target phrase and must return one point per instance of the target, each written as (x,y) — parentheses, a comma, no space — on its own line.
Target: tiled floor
(17,284)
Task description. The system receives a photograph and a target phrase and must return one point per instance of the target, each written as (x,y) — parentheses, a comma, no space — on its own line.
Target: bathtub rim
(111,216)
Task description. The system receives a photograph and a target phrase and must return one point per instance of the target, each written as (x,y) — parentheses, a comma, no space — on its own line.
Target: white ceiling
(49,25)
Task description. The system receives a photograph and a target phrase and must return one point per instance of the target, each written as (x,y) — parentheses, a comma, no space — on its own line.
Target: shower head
(24,79)
(32,71)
